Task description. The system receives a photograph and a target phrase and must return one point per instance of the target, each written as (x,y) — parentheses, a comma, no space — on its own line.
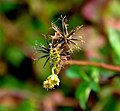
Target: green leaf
(82,93)
(116,59)
(95,86)
(114,38)
(94,74)
(73,72)
(94,78)
(84,76)
(76,72)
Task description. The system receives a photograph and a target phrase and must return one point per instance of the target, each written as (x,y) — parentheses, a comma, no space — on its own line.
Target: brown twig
(95,64)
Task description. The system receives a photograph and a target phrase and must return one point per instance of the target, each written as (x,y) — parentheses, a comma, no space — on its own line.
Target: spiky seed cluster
(60,47)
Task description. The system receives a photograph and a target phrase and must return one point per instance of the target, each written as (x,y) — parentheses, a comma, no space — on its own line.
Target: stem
(95,64)
(53,71)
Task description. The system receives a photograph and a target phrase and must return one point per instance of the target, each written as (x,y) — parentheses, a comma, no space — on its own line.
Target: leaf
(114,38)
(73,72)
(84,76)
(95,86)
(94,74)
(82,93)
(76,72)
(94,78)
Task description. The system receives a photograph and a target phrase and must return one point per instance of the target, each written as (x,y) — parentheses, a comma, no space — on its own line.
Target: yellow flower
(51,81)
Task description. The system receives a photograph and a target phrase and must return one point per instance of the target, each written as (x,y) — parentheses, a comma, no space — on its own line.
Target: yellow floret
(51,81)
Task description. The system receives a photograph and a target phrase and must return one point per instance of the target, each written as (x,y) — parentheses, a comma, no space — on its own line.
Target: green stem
(53,70)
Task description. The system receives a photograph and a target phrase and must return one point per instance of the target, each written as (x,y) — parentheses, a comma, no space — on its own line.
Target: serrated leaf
(82,93)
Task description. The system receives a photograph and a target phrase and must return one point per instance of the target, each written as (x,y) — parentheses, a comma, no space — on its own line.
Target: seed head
(60,48)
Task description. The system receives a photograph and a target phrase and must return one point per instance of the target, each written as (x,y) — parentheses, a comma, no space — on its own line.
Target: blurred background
(22,22)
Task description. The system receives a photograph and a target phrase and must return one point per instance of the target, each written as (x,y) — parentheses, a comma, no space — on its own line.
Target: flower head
(60,48)
(51,81)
